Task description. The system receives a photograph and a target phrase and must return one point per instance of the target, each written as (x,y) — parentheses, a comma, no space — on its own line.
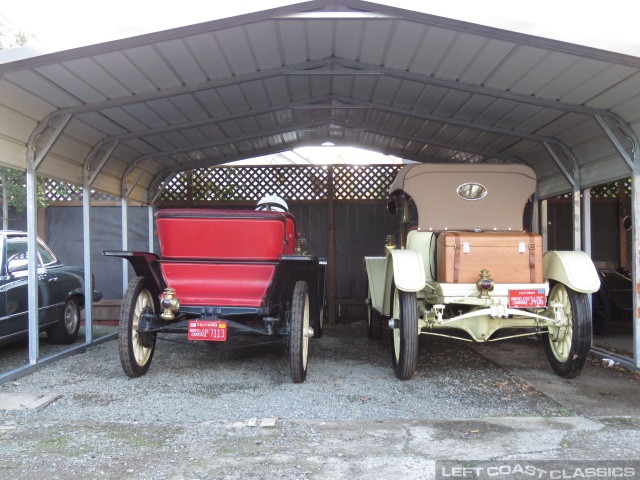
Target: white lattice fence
(291,182)
(252,183)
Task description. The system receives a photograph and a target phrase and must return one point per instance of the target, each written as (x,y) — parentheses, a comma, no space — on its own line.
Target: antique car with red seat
(222,274)
(467,268)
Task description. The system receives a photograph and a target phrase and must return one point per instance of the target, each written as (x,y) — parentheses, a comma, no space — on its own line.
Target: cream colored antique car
(469,265)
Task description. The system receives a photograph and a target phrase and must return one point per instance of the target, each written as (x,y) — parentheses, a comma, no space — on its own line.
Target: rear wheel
(136,349)
(405,334)
(374,320)
(299,332)
(567,347)
(66,330)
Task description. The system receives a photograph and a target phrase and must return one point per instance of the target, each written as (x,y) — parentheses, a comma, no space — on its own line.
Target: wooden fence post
(331,250)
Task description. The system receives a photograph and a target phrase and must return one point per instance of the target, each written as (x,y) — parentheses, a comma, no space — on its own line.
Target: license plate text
(527,298)
(208,330)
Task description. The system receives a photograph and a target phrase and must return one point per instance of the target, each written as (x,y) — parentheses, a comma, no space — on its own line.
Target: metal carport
(125,116)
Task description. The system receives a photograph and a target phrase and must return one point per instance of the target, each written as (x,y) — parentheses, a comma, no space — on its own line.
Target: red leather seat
(222,257)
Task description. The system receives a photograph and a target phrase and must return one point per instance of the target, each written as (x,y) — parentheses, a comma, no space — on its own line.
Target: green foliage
(15,184)
(13,181)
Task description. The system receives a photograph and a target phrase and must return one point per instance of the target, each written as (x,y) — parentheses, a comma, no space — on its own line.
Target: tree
(14,192)
(13,181)
(15,39)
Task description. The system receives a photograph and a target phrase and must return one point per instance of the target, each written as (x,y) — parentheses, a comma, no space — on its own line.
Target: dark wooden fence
(340,211)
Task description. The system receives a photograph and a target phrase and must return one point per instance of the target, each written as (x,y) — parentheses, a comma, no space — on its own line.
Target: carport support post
(577,229)
(33,162)
(586,225)
(586,222)
(125,243)
(544,226)
(32,229)
(86,232)
(635,208)
(151,228)
(535,215)
(634,165)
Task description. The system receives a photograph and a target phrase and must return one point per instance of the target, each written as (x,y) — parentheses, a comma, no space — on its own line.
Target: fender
(78,294)
(145,264)
(406,269)
(572,268)
(375,274)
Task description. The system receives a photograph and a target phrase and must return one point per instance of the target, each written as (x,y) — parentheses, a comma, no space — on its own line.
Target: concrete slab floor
(25,401)
(597,391)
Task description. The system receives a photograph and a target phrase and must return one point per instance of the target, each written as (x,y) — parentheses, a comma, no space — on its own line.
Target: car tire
(298,338)
(374,319)
(66,330)
(404,349)
(135,357)
(567,351)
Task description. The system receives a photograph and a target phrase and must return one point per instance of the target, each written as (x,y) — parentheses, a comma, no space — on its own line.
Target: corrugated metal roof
(354,73)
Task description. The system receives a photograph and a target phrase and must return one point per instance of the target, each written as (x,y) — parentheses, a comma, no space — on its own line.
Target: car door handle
(52,279)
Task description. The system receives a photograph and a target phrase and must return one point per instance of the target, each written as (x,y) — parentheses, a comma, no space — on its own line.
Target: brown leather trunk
(510,257)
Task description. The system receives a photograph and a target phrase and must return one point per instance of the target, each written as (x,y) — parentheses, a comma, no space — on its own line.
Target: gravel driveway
(185,407)
(349,377)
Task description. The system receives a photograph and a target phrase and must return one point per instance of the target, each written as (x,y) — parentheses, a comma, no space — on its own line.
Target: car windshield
(17,250)
(45,254)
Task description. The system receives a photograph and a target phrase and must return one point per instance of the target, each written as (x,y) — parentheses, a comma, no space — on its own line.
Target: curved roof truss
(124,115)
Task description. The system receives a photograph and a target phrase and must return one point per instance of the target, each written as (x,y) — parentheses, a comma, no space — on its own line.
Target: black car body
(60,292)
(614,300)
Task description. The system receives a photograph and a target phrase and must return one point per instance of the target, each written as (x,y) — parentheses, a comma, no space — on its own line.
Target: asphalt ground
(202,413)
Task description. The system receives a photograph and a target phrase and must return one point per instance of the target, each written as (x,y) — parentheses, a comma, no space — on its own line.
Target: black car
(614,300)
(60,292)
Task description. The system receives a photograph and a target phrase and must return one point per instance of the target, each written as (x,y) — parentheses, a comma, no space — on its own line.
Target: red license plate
(527,298)
(208,330)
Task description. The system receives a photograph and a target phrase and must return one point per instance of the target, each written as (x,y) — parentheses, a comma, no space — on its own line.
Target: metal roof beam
(308,104)
(316,67)
(217,119)
(478,89)
(616,143)
(455,122)
(199,123)
(158,183)
(562,168)
(105,157)
(354,68)
(347,129)
(51,141)
(434,143)
(188,88)
(127,191)
(230,141)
